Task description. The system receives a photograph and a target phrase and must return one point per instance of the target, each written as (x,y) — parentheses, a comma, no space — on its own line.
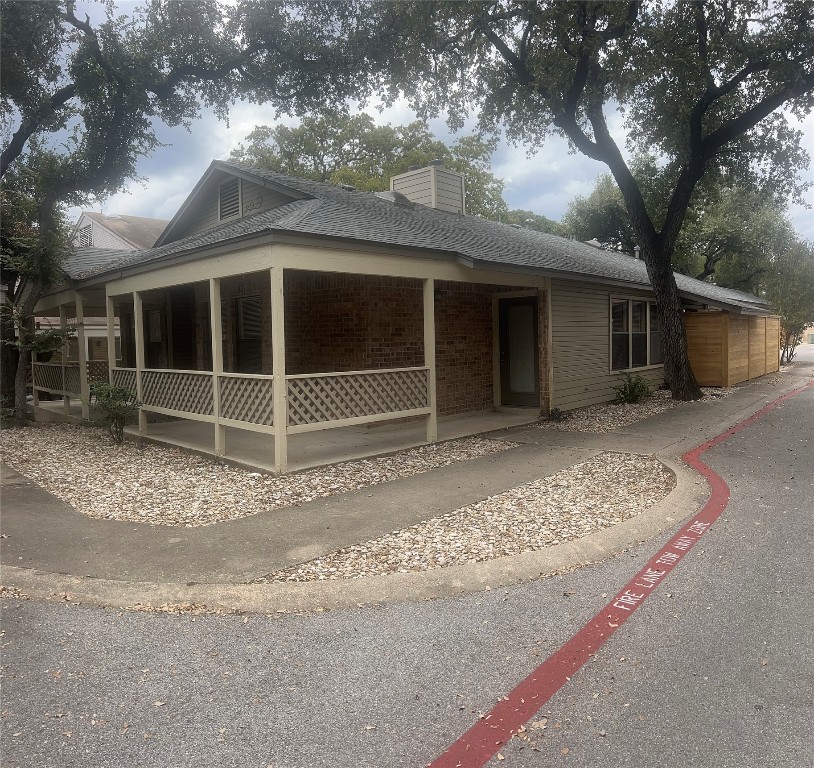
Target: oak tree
(700,85)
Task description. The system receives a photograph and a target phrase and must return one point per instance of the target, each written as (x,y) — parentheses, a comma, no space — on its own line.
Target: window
(248,350)
(86,236)
(635,334)
(229,199)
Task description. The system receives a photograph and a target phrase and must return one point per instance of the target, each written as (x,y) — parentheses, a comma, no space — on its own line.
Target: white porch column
(138,321)
(63,326)
(84,389)
(278,371)
(429,357)
(216,327)
(111,337)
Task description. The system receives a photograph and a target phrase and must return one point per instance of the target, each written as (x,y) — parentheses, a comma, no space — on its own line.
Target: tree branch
(30,125)
(739,125)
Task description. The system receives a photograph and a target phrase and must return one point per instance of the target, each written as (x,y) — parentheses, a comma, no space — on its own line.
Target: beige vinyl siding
(417,186)
(434,186)
(449,191)
(580,336)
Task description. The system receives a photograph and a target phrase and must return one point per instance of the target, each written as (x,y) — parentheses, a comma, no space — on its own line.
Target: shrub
(633,389)
(119,406)
(555,414)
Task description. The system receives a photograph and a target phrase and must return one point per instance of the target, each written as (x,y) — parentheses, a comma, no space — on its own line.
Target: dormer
(225,193)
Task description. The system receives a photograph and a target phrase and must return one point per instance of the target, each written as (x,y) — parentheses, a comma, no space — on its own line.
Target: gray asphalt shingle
(335,212)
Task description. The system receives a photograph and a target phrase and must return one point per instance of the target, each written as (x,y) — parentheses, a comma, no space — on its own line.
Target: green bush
(633,389)
(118,404)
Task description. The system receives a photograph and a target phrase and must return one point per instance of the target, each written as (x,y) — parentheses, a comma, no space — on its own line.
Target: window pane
(619,317)
(619,359)
(654,319)
(639,350)
(656,355)
(639,320)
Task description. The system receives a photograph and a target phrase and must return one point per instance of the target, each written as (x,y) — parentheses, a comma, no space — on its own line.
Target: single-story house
(279,306)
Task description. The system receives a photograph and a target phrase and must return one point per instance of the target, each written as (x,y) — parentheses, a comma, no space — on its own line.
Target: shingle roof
(139,231)
(332,211)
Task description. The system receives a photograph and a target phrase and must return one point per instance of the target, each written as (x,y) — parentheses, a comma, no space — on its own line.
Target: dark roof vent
(397,198)
(348,187)
(436,163)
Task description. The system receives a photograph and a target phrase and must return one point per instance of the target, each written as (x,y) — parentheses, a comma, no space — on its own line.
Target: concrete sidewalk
(48,549)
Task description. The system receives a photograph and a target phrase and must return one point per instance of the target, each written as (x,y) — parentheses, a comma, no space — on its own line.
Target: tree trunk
(8,361)
(677,370)
(27,301)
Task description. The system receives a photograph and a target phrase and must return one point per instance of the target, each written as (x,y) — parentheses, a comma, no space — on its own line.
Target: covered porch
(311,358)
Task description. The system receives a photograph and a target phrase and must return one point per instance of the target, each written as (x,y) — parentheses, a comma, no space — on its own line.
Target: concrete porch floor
(311,449)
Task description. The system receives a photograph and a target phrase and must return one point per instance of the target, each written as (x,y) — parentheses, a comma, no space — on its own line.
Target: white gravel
(603,491)
(606,417)
(159,485)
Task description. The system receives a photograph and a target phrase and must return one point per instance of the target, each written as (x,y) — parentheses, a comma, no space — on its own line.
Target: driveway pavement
(49,549)
(712,671)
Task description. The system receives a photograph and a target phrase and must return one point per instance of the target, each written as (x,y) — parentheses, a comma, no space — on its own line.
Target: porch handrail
(367,371)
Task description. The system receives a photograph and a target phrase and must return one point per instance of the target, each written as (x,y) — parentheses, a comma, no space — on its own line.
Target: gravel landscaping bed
(595,494)
(606,417)
(158,485)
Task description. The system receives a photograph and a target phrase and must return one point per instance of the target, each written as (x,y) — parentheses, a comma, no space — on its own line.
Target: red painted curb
(481,742)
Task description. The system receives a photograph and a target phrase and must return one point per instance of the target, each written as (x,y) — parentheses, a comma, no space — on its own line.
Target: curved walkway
(49,551)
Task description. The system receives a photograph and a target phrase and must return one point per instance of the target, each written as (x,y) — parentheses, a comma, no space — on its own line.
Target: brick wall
(342,322)
(463,347)
(352,322)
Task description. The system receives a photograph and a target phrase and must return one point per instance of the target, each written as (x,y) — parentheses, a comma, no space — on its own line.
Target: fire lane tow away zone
(481,742)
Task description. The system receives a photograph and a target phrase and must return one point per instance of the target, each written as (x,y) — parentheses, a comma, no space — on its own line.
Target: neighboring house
(99,234)
(281,306)
(808,335)
(115,232)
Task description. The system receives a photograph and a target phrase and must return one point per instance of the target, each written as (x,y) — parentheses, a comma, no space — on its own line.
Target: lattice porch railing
(97,371)
(357,396)
(48,377)
(247,398)
(124,377)
(180,391)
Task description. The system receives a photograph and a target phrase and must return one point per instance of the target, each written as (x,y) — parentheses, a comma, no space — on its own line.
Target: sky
(543,181)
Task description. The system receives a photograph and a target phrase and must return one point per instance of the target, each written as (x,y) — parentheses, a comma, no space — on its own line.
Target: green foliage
(536,222)
(790,290)
(118,405)
(351,149)
(633,389)
(698,85)
(730,235)
(557,414)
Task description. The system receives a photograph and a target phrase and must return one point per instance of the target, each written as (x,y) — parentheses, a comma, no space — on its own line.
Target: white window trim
(630,300)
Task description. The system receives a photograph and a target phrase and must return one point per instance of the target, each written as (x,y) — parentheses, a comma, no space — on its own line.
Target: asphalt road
(715,669)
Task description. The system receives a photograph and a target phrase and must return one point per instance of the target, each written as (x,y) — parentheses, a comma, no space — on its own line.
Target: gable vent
(86,236)
(229,199)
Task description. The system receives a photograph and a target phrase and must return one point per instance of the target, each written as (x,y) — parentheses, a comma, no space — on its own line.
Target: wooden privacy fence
(726,349)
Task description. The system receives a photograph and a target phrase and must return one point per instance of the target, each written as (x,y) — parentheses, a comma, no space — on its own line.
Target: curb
(688,496)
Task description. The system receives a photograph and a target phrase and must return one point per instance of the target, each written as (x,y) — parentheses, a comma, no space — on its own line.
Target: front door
(519,359)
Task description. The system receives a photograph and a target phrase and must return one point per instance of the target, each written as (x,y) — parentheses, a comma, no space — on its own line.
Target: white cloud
(543,182)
